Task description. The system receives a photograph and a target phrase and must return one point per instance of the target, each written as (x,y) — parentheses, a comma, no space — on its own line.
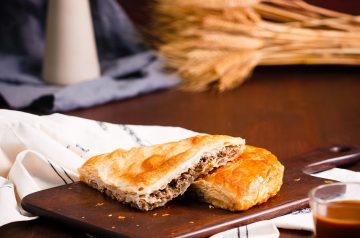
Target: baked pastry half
(251,179)
(149,177)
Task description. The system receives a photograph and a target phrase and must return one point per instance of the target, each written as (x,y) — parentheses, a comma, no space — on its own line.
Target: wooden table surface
(288,110)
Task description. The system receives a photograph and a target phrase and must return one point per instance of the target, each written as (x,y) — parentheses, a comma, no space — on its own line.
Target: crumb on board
(328,181)
(154,214)
(297,179)
(137,225)
(83,217)
(165,214)
(110,215)
(99,204)
(211,206)
(70,188)
(121,217)
(113,227)
(89,235)
(191,222)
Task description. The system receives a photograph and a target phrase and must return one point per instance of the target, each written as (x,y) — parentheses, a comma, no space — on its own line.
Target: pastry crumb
(297,179)
(137,225)
(211,206)
(83,217)
(191,222)
(70,188)
(110,215)
(113,227)
(121,217)
(155,214)
(99,204)
(166,214)
(328,181)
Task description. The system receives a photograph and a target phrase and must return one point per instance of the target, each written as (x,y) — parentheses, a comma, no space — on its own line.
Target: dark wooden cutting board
(86,208)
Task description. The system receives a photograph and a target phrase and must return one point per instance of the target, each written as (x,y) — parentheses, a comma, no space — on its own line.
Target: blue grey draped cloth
(128,67)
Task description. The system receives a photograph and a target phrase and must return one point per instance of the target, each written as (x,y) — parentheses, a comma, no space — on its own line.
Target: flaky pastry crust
(141,175)
(251,179)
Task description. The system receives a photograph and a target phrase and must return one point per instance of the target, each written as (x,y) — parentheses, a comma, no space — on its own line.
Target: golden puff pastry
(150,176)
(251,179)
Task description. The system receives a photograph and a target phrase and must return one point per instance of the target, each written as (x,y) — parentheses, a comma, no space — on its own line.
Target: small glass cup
(336,210)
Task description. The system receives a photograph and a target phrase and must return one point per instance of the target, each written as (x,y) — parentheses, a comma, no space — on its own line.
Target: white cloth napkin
(39,152)
(262,229)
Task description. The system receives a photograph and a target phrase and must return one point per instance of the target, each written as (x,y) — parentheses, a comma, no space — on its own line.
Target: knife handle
(343,155)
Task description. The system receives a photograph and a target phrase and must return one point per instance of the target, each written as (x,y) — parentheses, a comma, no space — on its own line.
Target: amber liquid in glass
(342,220)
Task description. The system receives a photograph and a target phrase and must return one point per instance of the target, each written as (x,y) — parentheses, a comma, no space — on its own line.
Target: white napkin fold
(39,152)
(9,209)
(262,229)
(341,175)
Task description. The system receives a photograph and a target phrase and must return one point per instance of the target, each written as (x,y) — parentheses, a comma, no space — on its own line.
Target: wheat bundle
(217,43)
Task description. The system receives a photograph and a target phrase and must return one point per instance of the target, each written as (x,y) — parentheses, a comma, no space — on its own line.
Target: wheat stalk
(217,43)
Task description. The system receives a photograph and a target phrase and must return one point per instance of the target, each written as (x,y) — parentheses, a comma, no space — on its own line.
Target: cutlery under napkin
(33,148)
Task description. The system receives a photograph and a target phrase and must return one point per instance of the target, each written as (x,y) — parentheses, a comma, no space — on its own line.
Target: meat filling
(179,185)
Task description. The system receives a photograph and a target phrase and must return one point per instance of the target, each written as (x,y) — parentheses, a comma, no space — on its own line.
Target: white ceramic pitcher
(70,48)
